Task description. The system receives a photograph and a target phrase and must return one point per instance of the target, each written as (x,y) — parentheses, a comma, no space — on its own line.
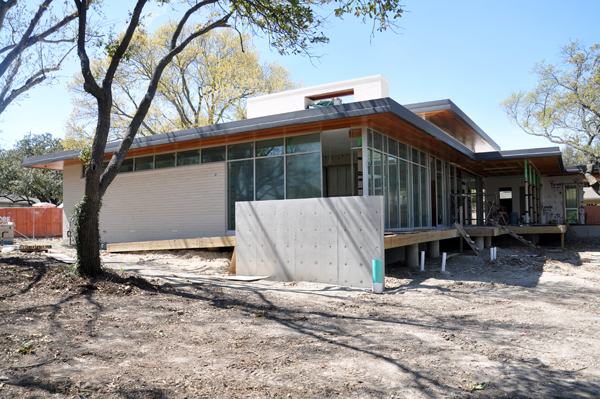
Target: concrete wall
(552,200)
(327,240)
(368,88)
(170,203)
(584,232)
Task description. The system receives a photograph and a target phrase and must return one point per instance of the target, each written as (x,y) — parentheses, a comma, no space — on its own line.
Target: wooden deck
(393,240)
(401,239)
(189,243)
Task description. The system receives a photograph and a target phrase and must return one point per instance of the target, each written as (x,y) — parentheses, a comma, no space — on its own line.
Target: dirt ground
(525,326)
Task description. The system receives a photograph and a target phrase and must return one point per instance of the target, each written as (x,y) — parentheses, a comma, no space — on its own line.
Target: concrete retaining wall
(326,240)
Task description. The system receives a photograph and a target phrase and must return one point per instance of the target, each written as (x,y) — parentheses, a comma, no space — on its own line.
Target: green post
(378,276)
(525,169)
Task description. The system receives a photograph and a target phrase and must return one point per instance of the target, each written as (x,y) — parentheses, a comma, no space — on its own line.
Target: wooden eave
(457,128)
(544,165)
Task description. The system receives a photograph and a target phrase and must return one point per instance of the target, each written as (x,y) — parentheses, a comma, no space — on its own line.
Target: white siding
(170,203)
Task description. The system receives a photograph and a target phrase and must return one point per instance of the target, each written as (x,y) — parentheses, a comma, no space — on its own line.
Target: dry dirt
(525,326)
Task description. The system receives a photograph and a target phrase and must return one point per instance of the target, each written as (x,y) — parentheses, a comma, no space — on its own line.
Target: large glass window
(269,178)
(240,178)
(269,148)
(303,176)
(273,169)
(306,143)
(400,174)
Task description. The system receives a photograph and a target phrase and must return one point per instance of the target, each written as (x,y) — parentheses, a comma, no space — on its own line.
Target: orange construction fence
(34,222)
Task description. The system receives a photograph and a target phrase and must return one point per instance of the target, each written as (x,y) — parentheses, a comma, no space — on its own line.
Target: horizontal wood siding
(170,203)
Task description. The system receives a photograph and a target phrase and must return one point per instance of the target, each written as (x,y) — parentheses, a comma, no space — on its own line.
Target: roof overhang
(448,117)
(384,115)
(547,161)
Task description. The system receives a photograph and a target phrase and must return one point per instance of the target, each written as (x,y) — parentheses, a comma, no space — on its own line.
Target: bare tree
(564,107)
(33,43)
(290,26)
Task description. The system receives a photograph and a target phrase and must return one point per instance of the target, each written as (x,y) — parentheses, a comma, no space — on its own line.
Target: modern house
(428,164)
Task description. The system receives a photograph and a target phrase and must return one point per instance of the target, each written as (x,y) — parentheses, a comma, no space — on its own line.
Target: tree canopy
(26,184)
(207,83)
(34,42)
(564,107)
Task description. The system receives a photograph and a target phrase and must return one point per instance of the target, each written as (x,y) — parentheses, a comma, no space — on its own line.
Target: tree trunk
(88,237)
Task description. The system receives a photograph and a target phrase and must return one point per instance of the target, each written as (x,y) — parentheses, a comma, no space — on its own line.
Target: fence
(34,222)
(592,215)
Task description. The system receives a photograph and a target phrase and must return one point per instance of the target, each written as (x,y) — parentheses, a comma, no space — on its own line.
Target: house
(429,164)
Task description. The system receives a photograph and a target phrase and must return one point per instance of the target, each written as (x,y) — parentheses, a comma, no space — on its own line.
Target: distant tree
(564,107)
(208,82)
(34,41)
(26,184)
(290,26)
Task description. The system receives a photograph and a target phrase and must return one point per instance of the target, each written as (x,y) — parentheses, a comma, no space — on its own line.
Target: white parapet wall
(368,88)
(325,240)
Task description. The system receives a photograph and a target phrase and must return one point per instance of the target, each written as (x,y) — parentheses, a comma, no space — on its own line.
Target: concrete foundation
(479,242)
(487,242)
(326,240)
(433,249)
(412,255)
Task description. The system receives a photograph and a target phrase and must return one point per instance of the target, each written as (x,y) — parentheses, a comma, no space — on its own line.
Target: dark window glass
(240,151)
(415,155)
(269,178)
(126,166)
(268,148)
(303,176)
(402,151)
(191,157)
(144,163)
(377,141)
(241,186)
(393,147)
(394,196)
(164,160)
(213,154)
(307,143)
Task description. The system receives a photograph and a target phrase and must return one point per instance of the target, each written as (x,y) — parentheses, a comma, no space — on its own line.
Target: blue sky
(472,52)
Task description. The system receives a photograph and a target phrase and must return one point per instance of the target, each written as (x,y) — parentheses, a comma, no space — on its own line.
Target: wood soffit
(457,128)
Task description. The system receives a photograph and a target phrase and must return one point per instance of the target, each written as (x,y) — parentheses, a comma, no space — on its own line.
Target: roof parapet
(367,88)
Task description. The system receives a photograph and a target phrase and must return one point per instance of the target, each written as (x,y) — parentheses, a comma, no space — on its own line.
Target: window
(164,160)
(126,166)
(213,154)
(144,163)
(571,208)
(191,157)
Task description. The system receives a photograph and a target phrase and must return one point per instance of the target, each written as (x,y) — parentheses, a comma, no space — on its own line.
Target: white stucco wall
(492,185)
(367,88)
